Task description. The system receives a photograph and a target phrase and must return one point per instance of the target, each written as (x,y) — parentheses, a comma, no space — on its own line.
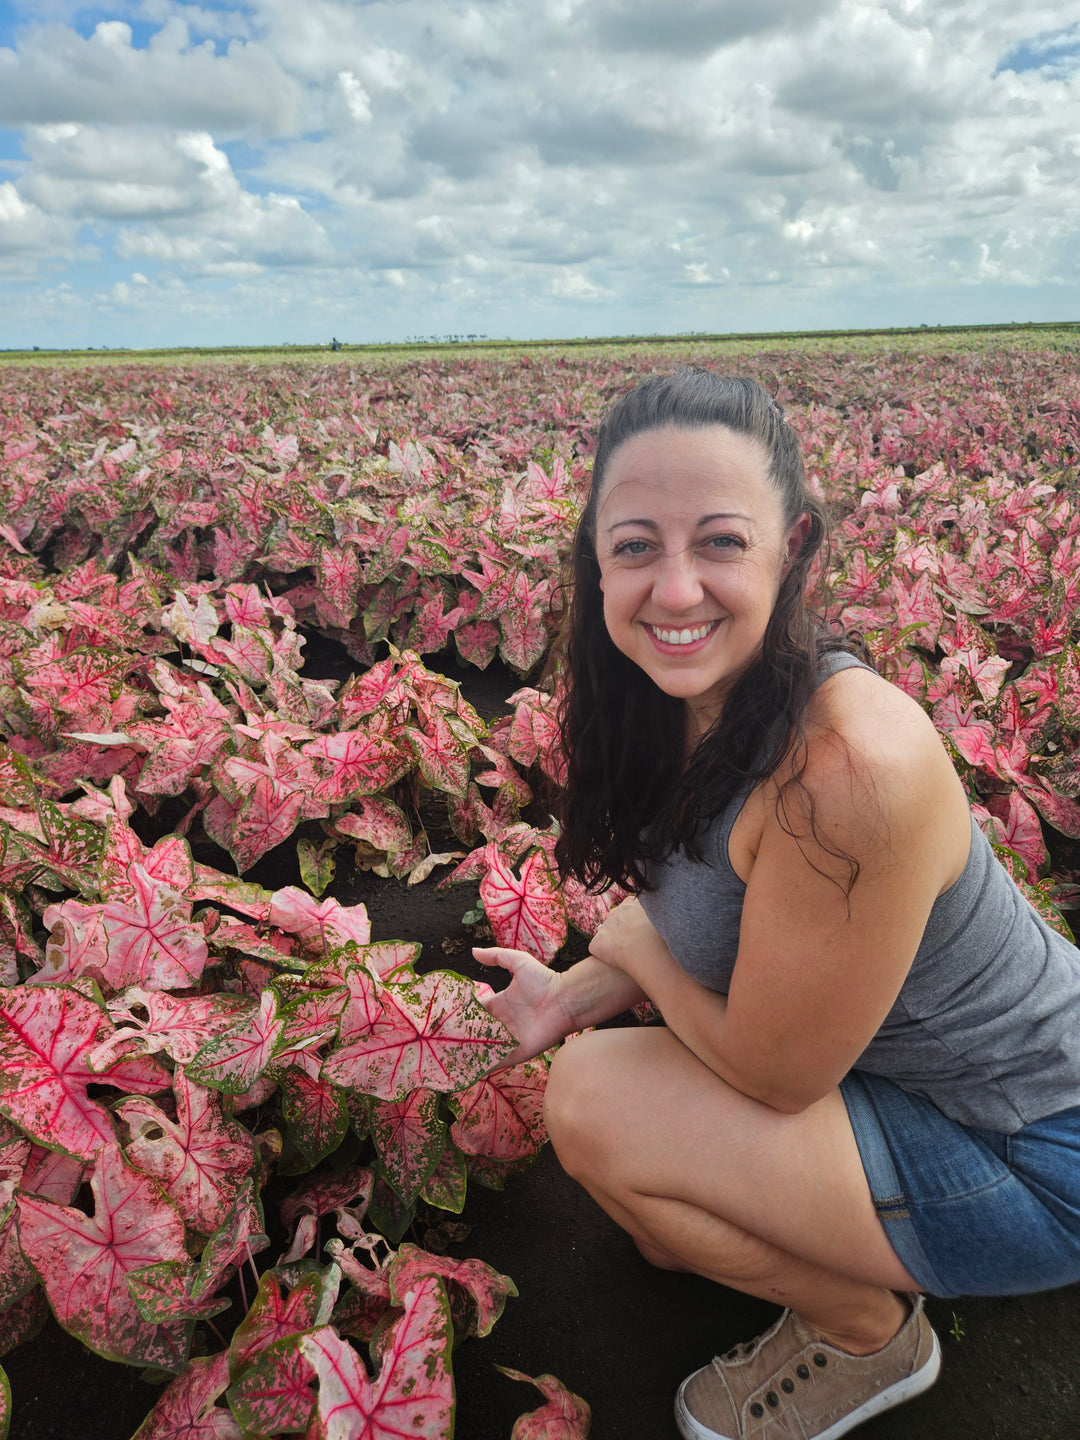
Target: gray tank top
(987,1022)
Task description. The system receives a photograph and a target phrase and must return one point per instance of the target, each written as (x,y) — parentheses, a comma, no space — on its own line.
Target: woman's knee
(577,1108)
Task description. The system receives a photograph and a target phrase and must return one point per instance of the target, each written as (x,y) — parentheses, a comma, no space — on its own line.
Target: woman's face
(692,545)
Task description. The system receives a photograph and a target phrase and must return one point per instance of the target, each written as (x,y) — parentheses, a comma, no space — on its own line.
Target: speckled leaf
(413,1393)
(84,1260)
(526,913)
(200,1158)
(316,1115)
(5,1405)
(443,758)
(447,1184)
(149,1020)
(22,1319)
(502,1115)
(234,1061)
(275,1313)
(319,924)
(273,1394)
(487,1288)
(162,1293)
(354,763)
(310,1020)
(268,816)
(317,863)
(409,1135)
(378,823)
(565,1416)
(152,940)
(430,1033)
(186,1411)
(46,1036)
(329,1192)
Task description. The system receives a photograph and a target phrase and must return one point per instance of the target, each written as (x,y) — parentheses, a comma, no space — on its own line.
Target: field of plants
(229,595)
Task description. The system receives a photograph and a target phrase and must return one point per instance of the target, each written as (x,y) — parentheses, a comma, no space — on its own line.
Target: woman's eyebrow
(705,520)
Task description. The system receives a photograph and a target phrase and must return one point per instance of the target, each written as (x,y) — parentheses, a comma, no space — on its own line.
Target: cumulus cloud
(479,166)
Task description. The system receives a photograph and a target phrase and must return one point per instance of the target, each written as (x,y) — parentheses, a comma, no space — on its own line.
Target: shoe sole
(907,1389)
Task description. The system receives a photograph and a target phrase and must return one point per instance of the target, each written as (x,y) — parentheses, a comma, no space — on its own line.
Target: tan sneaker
(789,1384)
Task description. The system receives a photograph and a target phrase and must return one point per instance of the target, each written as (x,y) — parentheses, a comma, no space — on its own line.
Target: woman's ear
(797,537)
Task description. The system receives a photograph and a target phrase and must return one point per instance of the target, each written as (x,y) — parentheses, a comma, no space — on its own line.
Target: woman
(868,1082)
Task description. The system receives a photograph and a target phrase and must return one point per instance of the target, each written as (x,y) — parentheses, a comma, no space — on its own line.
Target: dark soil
(590,1310)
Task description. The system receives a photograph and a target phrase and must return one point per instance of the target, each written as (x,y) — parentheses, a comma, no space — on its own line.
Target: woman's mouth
(684,637)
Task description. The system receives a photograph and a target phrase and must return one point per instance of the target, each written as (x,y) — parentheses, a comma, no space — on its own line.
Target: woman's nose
(677,585)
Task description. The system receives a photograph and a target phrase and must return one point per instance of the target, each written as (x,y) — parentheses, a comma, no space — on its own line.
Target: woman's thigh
(635,1113)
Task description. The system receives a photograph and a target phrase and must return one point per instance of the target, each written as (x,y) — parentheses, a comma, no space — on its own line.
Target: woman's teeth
(681,637)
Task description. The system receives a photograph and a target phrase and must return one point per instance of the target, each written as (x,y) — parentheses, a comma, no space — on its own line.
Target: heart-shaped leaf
(413,1393)
(84,1260)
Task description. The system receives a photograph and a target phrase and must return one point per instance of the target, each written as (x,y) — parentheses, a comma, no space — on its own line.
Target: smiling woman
(867,1087)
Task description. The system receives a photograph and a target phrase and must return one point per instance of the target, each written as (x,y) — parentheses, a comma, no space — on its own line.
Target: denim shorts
(968,1211)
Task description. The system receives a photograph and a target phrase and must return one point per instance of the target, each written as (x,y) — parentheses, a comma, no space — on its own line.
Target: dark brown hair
(629,797)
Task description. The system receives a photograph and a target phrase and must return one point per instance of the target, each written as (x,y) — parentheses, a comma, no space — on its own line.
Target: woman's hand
(627,938)
(540,1007)
(531,1006)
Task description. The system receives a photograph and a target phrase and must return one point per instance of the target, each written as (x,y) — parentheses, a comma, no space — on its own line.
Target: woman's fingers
(511,960)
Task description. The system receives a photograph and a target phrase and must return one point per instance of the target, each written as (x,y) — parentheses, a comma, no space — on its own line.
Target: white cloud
(573,285)
(823,161)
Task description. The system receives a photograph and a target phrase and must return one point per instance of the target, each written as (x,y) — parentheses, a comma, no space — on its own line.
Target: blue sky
(176,173)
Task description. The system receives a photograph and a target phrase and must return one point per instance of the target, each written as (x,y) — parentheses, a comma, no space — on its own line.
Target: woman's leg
(707,1179)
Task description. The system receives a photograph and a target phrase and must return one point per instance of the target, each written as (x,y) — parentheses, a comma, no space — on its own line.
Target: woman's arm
(818,969)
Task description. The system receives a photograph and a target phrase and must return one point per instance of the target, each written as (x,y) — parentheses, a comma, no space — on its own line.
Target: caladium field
(174,1034)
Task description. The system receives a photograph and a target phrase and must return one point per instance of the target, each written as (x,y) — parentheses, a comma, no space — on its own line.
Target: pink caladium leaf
(502,1115)
(338,574)
(171,1290)
(275,1314)
(355,763)
(430,1033)
(232,1062)
(442,757)
(534,733)
(152,941)
(84,1260)
(328,1192)
(586,911)
(150,1020)
(410,1136)
(413,1393)
(316,1116)
(447,1184)
(565,1416)
(526,913)
(200,1159)
(77,943)
(268,816)
(169,862)
(1062,813)
(319,924)
(249,899)
(163,1293)
(312,1018)
(380,823)
(186,1410)
(46,1036)
(485,1287)
(274,1393)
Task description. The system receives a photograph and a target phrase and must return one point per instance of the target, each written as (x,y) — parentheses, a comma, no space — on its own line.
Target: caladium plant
(160,579)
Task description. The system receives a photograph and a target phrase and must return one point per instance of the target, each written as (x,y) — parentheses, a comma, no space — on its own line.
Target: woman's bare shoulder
(876,763)
(858,712)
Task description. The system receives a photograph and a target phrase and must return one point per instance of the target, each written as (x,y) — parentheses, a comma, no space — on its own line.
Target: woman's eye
(725,542)
(631,547)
